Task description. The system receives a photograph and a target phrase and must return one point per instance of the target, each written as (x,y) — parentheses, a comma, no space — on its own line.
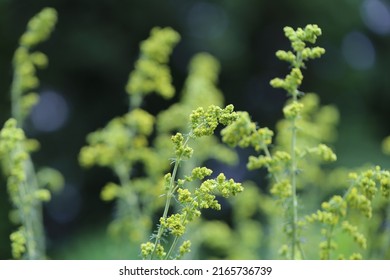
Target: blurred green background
(96,43)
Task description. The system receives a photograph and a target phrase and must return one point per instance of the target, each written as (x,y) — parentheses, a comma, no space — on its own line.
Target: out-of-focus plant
(161,164)
(26,187)
(127,142)
(293,162)
(123,144)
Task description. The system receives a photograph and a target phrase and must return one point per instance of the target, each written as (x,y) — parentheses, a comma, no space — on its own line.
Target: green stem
(294,168)
(329,236)
(295,241)
(135,101)
(169,195)
(173,246)
(30,211)
(131,200)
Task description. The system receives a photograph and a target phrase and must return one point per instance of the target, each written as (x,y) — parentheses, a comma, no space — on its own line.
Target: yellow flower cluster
(26,62)
(151,73)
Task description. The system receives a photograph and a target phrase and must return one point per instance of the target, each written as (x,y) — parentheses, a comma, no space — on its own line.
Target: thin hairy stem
(169,194)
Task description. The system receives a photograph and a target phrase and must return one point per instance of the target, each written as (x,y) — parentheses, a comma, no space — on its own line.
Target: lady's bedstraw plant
(124,143)
(203,123)
(338,210)
(290,158)
(26,188)
(287,188)
(26,61)
(283,162)
(200,90)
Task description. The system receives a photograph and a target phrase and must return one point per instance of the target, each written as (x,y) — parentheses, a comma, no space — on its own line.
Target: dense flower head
(123,139)
(204,122)
(290,83)
(152,73)
(39,27)
(18,243)
(243,132)
(238,133)
(299,36)
(199,90)
(365,186)
(184,248)
(160,44)
(181,147)
(148,248)
(282,189)
(293,110)
(26,62)
(175,224)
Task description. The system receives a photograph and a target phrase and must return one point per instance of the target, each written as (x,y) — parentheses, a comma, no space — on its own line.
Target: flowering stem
(131,199)
(294,189)
(31,217)
(169,193)
(329,237)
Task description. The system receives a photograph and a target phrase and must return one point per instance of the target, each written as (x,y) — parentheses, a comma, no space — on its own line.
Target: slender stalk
(131,201)
(294,191)
(173,246)
(295,241)
(169,195)
(32,216)
(294,168)
(329,236)
(135,102)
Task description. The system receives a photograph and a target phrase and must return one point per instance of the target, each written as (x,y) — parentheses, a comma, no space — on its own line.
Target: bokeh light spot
(65,207)
(206,20)
(358,51)
(376,15)
(51,113)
